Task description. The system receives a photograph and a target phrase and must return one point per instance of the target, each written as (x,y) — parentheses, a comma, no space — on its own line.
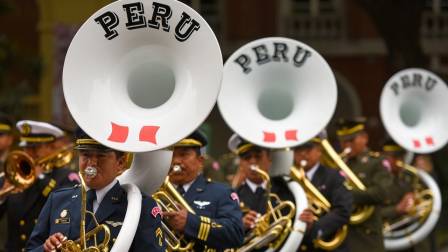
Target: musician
(60,217)
(6,141)
(331,184)
(367,166)
(217,223)
(23,208)
(401,194)
(253,188)
(6,138)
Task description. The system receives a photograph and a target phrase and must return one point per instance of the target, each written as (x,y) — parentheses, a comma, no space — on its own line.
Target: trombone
(318,205)
(360,213)
(20,167)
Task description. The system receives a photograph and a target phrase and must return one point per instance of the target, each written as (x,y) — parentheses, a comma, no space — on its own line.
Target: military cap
(390,146)
(34,133)
(85,142)
(195,139)
(5,124)
(349,128)
(240,146)
(313,141)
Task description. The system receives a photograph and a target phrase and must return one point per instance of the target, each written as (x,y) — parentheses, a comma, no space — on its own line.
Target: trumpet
(167,198)
(318,205)
(361,213)
(274,226)
(80,245)
(20,167)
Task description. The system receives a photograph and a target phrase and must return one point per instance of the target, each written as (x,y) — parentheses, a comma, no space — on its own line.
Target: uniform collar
(100,193)
(253,187)
(187,185)
(310,173)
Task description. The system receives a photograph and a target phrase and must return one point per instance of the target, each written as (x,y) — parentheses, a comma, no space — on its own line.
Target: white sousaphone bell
(412,109)
(278,93)
(138,77)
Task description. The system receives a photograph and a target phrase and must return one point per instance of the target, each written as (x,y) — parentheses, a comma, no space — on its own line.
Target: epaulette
(66,188)
(374,154)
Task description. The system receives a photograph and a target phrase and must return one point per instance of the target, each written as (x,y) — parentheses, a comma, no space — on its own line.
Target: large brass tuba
(273,227)
(141,79)
(360,213)
(20,167)
(168,199)
(319,205)
(267,99)
(80,245)
(412,109)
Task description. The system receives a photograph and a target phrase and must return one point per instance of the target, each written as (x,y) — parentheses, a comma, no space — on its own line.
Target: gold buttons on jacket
(23,237)
(21,222)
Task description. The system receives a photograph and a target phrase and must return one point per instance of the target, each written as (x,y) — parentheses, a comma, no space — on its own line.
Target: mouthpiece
(347,151)
(90,172)
(254,167)
(177,168)
(303,163)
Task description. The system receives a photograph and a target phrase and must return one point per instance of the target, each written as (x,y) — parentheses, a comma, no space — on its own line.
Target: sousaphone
(412,109)
(278,93)
(138,77)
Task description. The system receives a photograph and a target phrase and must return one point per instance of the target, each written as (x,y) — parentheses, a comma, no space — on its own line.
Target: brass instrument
(168,199)
(80,245)
(361,213)
(318,205)
(274,226)
(20,167)
(422,202)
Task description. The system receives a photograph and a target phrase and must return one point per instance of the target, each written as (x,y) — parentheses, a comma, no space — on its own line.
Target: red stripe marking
(148,134)
(291,135)
(416,143)
(269,137)
(119,133)
(429,140)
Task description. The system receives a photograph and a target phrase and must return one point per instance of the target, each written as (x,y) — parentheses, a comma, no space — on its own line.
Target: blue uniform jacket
(61,214)
(22,209)
(331,184)
(217,224)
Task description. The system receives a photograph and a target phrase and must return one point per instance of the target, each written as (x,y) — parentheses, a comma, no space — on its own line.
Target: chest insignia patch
(114,224)
(201,204)
(64,213)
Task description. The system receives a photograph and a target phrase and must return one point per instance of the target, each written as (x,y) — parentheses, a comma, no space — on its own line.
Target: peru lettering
(415,80)
(281,53)
(136,19)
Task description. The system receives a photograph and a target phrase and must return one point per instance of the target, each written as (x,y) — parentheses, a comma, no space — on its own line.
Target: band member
(6,141)
(217,223)
(6,138)
(401,194)
(253,189)
(23,207)
(331,184)
(61,215)
(367,166)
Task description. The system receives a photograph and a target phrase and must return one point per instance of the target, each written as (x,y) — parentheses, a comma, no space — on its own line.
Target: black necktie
(91,196)
(259,191)
(181,190)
